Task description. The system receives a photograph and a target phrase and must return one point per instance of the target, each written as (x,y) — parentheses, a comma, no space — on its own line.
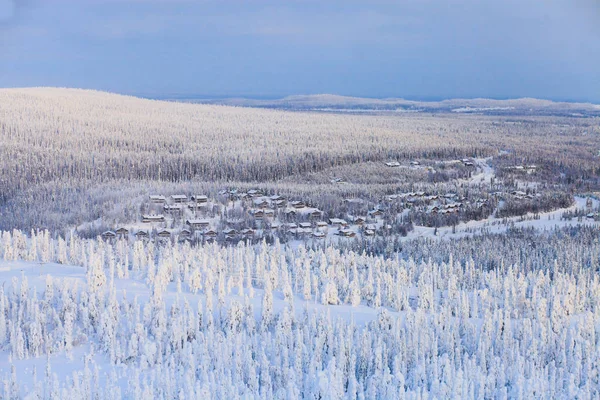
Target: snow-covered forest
(468,267)
(507,316)
(69,155)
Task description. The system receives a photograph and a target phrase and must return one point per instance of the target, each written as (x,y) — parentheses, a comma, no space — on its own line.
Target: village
(233,215)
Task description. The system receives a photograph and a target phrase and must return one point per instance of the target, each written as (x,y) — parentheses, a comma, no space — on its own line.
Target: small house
(164,234)
(316,214)
(258,214)
(337,222)
(230,232)
(298,204)
(149,218)
(210,233)
(185,233)
(359,220)
(109,235)
(319,235)
(346,233)
(173,208)
(197,223)
(157,199)
(141,234)
(376,212)
(122,232)
(305,225)
(179,198)
(261,203)
(392,164)
(200,198)
(255,192)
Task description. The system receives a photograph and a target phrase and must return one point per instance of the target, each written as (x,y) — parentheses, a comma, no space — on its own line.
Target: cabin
(258,214)
(200,198)
(197,223)
(376,212)
(196,206)
(415,163)
(269,212)
(179,198)
(392,164)
(305,225)
(210,233)
(433,210)
(274,225)
(280,203)
(185,233)
(291,227)
(261,203)
(346,233)
(173,208)
(298,204)
(255,193)
(276,198)
(230,233)
(316,214)
(109,235)
(337,222)
(321,224)
(359,220)
(319,235)
(141,234)
(157,199)
(164,234)
(290,213)
(148,218)
(122,232)
(369,232)
(248,233)
(303,231)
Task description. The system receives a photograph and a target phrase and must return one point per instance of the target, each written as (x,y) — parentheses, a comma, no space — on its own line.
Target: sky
(415,49)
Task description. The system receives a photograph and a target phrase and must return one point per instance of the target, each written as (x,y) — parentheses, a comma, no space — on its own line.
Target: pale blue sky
(377,48)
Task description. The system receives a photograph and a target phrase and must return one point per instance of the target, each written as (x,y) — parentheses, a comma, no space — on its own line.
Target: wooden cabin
(258,214)
(261,203)
(122,232)
(164,234)
(337,222)
(185,233)
(157,199)
(109,235)
(141,234)
(197,223)
(318,235)
(200,198)
(179,198)
(298,204)
(346,233)
(148,218)
(210,233)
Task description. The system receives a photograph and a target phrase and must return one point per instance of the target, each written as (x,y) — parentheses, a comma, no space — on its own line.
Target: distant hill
(336,103)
